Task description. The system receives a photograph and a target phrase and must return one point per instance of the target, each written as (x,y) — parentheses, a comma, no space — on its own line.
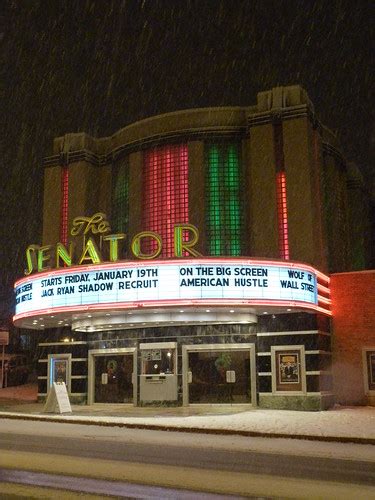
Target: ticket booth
(158,379)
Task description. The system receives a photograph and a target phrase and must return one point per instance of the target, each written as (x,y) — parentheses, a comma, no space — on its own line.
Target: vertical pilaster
(105,194)
(197,196)
(261,187)
(51,205)
(303,197)
(84,190)
(135,193)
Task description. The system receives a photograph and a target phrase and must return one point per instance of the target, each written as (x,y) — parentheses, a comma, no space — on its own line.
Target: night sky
(96,66)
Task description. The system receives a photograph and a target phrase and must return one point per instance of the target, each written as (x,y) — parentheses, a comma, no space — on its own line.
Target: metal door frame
(186,349)
(68,357)
(110,352)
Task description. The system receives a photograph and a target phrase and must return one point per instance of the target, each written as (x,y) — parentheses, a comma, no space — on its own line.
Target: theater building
(189,259)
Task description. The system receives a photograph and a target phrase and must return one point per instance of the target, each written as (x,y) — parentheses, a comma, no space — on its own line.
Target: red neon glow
(323,289)
(282,215)
(64,205)
(165,203)
(324,300)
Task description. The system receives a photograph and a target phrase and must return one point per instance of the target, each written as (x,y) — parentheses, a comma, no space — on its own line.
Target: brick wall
(353,306)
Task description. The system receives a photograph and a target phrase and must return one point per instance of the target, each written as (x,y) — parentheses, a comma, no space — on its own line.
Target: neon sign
(41,258)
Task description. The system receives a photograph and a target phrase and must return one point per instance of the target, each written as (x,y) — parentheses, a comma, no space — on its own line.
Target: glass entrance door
(221,376)
(113,378)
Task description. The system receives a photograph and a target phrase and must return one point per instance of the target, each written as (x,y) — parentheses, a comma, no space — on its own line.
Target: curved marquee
(234,282)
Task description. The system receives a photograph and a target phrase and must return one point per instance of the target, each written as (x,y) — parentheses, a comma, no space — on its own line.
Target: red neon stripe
(282,215)
(64,205)
(323,289)
(324,300)
(165,203)
(168,206)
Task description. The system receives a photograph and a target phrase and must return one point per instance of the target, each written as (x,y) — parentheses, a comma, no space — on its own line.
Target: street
(226,465)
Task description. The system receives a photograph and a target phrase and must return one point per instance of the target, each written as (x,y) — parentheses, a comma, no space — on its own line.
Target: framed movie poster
(288,370)
(59,369)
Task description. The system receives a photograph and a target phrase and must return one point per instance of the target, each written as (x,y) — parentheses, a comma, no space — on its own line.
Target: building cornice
(278,115)
(219,132)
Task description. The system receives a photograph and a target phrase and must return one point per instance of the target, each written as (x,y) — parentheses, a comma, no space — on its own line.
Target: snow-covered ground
(357,422)
(348,422)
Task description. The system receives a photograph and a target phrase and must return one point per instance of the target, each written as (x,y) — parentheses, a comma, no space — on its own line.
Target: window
(165,200)
(288,369)
(223,199)
(158,361)
(158,358)
(369,369)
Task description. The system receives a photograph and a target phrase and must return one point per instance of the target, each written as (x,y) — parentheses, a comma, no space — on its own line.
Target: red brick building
(353,349)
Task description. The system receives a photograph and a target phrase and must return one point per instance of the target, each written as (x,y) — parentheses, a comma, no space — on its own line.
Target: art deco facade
(265,184)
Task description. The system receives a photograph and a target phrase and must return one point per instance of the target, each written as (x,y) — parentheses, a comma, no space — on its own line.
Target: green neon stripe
(224,218)
(214,216)
(232,209)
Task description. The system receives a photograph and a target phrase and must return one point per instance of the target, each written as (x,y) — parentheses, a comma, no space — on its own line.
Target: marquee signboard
(196,281)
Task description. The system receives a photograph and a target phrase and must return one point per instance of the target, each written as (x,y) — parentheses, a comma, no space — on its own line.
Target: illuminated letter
(96,224)
(63,254)
(180,245)
(31,259)
(43,256)
(136,245)
(113,245)
(93,253)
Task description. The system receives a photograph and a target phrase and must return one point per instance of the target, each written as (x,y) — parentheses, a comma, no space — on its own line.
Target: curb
(194,430)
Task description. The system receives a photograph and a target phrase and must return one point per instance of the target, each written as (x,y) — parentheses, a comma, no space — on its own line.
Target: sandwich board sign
(58,399)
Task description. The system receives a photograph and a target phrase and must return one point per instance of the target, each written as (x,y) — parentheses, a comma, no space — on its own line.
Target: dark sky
(96,66)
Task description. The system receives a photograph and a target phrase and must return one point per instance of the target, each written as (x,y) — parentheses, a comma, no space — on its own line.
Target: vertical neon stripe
(165,203)
(281,198)
(64,205)
(224,217)
(233,208)
(168,206)
(214,202)
(282,215)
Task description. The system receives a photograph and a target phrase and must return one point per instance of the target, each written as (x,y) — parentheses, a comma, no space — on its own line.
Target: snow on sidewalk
(351,422)
(354,422)
(347,422)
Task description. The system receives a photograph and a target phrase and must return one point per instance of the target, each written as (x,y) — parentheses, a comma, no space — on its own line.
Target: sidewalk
(340,424)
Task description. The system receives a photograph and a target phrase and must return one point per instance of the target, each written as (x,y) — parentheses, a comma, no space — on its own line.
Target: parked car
(16,369)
